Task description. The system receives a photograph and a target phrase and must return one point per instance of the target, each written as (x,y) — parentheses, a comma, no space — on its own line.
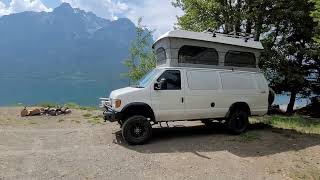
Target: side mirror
(162,84)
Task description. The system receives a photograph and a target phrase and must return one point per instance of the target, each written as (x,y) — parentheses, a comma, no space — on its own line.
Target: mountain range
(67,44)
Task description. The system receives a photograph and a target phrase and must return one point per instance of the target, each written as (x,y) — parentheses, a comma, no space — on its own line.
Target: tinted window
(173,79)
(198,55)
(240,59)
(161,55)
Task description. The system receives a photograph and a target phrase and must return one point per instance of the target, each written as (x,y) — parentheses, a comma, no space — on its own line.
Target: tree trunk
(259,22)
(237,18)
(258,27)
(248,27)
(249,19)
(292,102)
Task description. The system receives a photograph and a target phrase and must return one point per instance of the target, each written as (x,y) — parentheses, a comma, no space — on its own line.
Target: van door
(168,102)
(202,94)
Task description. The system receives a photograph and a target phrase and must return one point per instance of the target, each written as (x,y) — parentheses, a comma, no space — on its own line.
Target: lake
(30,91)
(35,91)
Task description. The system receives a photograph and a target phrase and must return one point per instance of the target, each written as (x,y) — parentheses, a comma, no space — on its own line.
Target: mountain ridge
(61,56)
(64,35)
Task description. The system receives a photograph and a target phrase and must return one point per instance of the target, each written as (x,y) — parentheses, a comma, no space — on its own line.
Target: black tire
(136,130)
(238,122)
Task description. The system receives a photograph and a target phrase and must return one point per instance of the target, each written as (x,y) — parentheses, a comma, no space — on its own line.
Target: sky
(158,15)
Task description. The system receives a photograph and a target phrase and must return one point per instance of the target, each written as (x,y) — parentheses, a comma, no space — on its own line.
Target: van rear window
(198,55)
(240,59)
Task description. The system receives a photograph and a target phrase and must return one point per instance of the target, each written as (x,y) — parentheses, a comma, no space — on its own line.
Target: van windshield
(146,79)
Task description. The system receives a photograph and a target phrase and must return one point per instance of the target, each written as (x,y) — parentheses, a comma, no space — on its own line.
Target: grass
(247,137)
(70,105)
(95,121)
(87,115)
(47,104)
(298,123)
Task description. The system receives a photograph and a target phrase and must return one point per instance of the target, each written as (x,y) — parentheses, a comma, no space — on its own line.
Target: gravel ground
(79,146)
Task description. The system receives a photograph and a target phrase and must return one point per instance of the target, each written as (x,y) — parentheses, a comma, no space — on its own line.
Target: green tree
(229,16)
(316,15)
(201,15)
(141,57)
(290,60)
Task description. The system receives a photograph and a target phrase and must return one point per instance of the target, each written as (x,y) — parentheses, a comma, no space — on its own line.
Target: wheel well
(239,106)
(137,109)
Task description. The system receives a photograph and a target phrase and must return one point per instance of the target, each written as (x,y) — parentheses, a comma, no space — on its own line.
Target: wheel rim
(138,130)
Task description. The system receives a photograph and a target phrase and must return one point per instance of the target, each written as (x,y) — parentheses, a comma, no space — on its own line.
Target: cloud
(3,9)
(16,6)
(108,9)
(159,15)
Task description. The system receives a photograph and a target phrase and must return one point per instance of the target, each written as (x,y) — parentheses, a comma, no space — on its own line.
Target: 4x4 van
(199,76)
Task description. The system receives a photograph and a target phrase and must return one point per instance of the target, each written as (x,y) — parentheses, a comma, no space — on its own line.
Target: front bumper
(111,116)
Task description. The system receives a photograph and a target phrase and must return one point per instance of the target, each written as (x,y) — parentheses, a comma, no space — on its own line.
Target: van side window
(240,59)
(161,55)
(173,78)
(198,55)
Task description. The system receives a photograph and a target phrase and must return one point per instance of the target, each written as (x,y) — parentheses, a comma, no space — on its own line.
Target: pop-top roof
(218,38)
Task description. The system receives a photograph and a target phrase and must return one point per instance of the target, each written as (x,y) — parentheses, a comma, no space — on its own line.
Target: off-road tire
(238,122)
(136,130)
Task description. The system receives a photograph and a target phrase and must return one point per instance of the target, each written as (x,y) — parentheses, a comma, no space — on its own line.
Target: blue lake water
(35,91)
(84,92)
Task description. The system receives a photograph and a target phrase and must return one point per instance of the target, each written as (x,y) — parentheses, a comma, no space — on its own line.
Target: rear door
(168,104)
(261,102)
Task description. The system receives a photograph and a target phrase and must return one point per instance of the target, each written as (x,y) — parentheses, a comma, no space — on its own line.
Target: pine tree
(141,58)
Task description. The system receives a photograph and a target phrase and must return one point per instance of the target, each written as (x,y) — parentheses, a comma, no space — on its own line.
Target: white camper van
(199,76)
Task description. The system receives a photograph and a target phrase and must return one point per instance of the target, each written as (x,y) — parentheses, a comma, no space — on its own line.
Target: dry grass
(300,124)
(87,115)
(246,137)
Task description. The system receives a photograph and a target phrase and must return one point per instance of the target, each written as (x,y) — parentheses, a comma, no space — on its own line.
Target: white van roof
(219,38)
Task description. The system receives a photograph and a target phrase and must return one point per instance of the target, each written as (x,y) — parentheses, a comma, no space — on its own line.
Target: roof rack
(240,39)
(239,35)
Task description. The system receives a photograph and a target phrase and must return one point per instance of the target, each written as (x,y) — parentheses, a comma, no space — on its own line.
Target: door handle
(182,100)
(263,92)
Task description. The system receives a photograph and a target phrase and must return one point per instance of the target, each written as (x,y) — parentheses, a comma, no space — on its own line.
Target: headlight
(116,103)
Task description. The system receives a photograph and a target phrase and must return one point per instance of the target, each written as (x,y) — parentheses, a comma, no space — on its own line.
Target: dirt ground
(78,146)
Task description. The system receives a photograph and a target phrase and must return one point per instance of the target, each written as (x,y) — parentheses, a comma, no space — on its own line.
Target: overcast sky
(157,14)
